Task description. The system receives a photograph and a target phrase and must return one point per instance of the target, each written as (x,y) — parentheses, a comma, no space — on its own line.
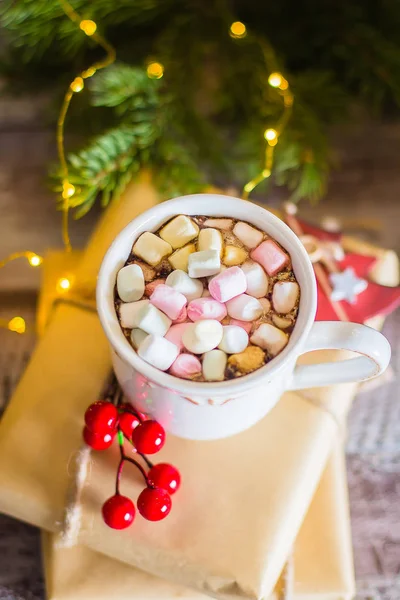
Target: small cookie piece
(269,338)
(214,363)
(158,352)
(180,258)
(130,283)
(270,256)
(151,248)
(249,360)
(204,263)
(179,231)
(248,235)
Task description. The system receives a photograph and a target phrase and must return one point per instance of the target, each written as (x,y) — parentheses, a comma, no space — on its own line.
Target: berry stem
(138,466)
(124,458)
(119,472)
(146,460)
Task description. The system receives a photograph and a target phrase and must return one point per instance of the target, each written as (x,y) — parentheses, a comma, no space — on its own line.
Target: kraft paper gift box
(201,544)
(322,556)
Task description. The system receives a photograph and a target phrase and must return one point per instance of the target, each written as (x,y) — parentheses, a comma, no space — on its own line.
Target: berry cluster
(103,422)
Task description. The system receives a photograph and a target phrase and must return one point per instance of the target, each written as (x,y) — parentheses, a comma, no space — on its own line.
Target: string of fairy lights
(155,70)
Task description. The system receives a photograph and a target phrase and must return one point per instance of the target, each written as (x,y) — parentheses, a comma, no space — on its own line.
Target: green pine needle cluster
(203,122)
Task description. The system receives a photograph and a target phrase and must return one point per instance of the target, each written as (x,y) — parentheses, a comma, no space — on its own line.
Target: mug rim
(166,210)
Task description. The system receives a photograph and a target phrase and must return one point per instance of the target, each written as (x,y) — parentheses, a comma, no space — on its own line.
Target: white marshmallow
(269,338)
(249,236)
(257,279)
(181,282)
(129,313)
(284,296)
(210,239)
(224,224)
(179,231)
(137,337)
(234,339)
(213,367)
(244,308)
(130,283)
(202,336)
(151,248)
(204,263)
(153,321)
(158,351)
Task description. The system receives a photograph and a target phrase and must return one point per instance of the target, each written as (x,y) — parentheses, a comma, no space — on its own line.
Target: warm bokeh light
(68,190)
(77,85)
(88,26)
(237,30)
(155,70)
(270,135)
(35,260)
(275,80)
(17,324)
(63,284)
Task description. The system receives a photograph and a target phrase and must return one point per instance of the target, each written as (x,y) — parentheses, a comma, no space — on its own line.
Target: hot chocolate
(207,299)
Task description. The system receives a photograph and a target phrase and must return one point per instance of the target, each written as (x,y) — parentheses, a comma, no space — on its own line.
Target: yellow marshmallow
(234,256)
(180,258)
(179,231)
(151,248)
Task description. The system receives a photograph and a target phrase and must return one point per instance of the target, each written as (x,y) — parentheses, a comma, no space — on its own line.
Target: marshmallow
(210,239)
(153,321)
(243,324)
(228,284)
(256,278)
(202,336)
(150,287)
(185,366)
(174,335)
(168,300)
(233,255)
(180,258)
(137,337)
(269,338)
(270,256)
(151,248)
(249,236)
(179,231)
(182,317)
(130,283)
(158,351)
(129,313)
(224,224)
(214,363)
(284,296)
(244,308)
(249,360)
(281,322)
(204,263)
(181,282)
(266,304)
(234,339)
(206,308)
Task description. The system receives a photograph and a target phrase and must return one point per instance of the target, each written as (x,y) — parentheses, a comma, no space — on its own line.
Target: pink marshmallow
(182,317)
(228,284)
(168,300)
(185,366)
(206,308)
(270,256)
(151,286)
(174,335)
(243,324)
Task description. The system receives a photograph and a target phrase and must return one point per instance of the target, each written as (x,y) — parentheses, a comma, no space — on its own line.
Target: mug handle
(373,347)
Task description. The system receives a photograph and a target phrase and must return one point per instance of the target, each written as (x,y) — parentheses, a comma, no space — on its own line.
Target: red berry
(128,422)
(101,416)
(118,512)
(98,441)
(154,504)
(165,476)
(148,437)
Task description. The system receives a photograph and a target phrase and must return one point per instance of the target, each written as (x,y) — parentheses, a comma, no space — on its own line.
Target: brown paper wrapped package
(242,501)
(322,557)
(322,553)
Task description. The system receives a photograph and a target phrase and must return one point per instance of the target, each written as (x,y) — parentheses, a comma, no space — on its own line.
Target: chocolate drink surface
(207,298)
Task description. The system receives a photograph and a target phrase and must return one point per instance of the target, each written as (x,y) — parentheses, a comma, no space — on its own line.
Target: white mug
(203,411)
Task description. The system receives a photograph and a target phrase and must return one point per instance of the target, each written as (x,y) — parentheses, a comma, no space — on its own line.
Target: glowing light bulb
(88,26)
(155,70)
(77,85)
(68,190)
(63,284)
(35,260)
(17,324)
(275,80)
(238,30)
(270,135)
